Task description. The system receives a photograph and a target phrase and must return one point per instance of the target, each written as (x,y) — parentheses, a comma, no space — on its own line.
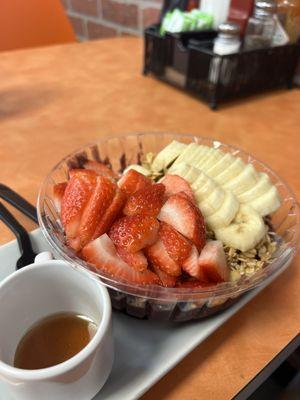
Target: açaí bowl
(155,302)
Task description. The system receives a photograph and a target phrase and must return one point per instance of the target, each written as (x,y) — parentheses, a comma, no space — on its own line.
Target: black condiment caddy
(186,60)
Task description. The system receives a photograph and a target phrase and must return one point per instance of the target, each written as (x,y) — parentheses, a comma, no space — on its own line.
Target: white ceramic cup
(34,292)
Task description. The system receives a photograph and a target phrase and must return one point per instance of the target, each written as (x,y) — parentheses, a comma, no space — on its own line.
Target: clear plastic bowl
(155,302)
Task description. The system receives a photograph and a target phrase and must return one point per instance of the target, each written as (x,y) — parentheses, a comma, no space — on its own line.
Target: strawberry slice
(83,173)
(213,263)
(100,169)
(193,283)
(76,196)
(102,196)
(111,214)
(132,181)
(136,260)
(134,232)
(175,184)
(146,201)
(176,245)
(58,194)
(158,255)
(192,267)
(165,279)
(102,253)
(185,217)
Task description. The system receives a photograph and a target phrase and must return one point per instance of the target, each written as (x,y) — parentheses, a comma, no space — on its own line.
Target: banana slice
(209,195)
(138,168)
(266,203)
(203,187)
(246,230)
(214,157)
(204,156)
(247,179)
(220,165)
(167,155)
(213,202)
(180,169)
(190,154)
(262,186)
(186,171)
(225,214)
(193,175)
(230,172)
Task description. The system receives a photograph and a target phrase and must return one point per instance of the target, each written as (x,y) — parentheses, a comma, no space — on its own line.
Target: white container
(35,292)
(228,40)
(219,9)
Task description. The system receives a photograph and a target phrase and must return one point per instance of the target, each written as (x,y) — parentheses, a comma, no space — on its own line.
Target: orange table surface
(55,99)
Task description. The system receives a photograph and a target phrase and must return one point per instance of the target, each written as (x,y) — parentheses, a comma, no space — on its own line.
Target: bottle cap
(229,29)
(265,8)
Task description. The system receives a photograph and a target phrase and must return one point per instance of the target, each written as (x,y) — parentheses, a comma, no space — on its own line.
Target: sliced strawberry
(193,283)
(213,263)
(158,255)
(191,266)
(74,243)
(175,184)
(136,260)
(102,196)
(165,279)
(75,198)
(132,181)
(83,173)
(111,214)
(146,201)
(101,252)
(176,245)
(134,232)
(100,169)
(58,194)
(185,217)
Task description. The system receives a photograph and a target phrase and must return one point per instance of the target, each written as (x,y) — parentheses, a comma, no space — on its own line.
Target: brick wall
(93,19)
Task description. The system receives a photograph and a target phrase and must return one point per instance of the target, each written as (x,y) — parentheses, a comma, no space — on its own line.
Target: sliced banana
(230,172)
(220,165)
(203,187)
(138,168)
(246,230)
(208,194)
(262,186)
(186,171)
(192,155)
(225,214)
(267,202)
(167,155)
(213,202)
(214,157)
(208,151)
(244,181)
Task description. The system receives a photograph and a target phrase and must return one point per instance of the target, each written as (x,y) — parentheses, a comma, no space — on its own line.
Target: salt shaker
(228,40)
(222,69)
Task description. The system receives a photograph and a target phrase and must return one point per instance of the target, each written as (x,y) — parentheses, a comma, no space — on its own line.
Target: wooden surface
(54,100)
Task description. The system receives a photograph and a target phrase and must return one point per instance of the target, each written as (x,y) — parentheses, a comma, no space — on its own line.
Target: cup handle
(42,257)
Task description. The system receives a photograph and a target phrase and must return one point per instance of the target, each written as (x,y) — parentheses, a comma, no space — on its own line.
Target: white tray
(144,350)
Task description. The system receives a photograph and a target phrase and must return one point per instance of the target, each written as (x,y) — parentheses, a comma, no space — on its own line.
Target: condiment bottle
(239,12)
(228,40)
(289,16)
(218,9)
(221,69)
(261,26)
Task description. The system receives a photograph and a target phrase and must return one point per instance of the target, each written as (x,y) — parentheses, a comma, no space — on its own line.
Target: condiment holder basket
(186,60)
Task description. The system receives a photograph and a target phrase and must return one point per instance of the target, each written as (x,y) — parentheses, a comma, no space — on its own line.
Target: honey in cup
(53,340)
